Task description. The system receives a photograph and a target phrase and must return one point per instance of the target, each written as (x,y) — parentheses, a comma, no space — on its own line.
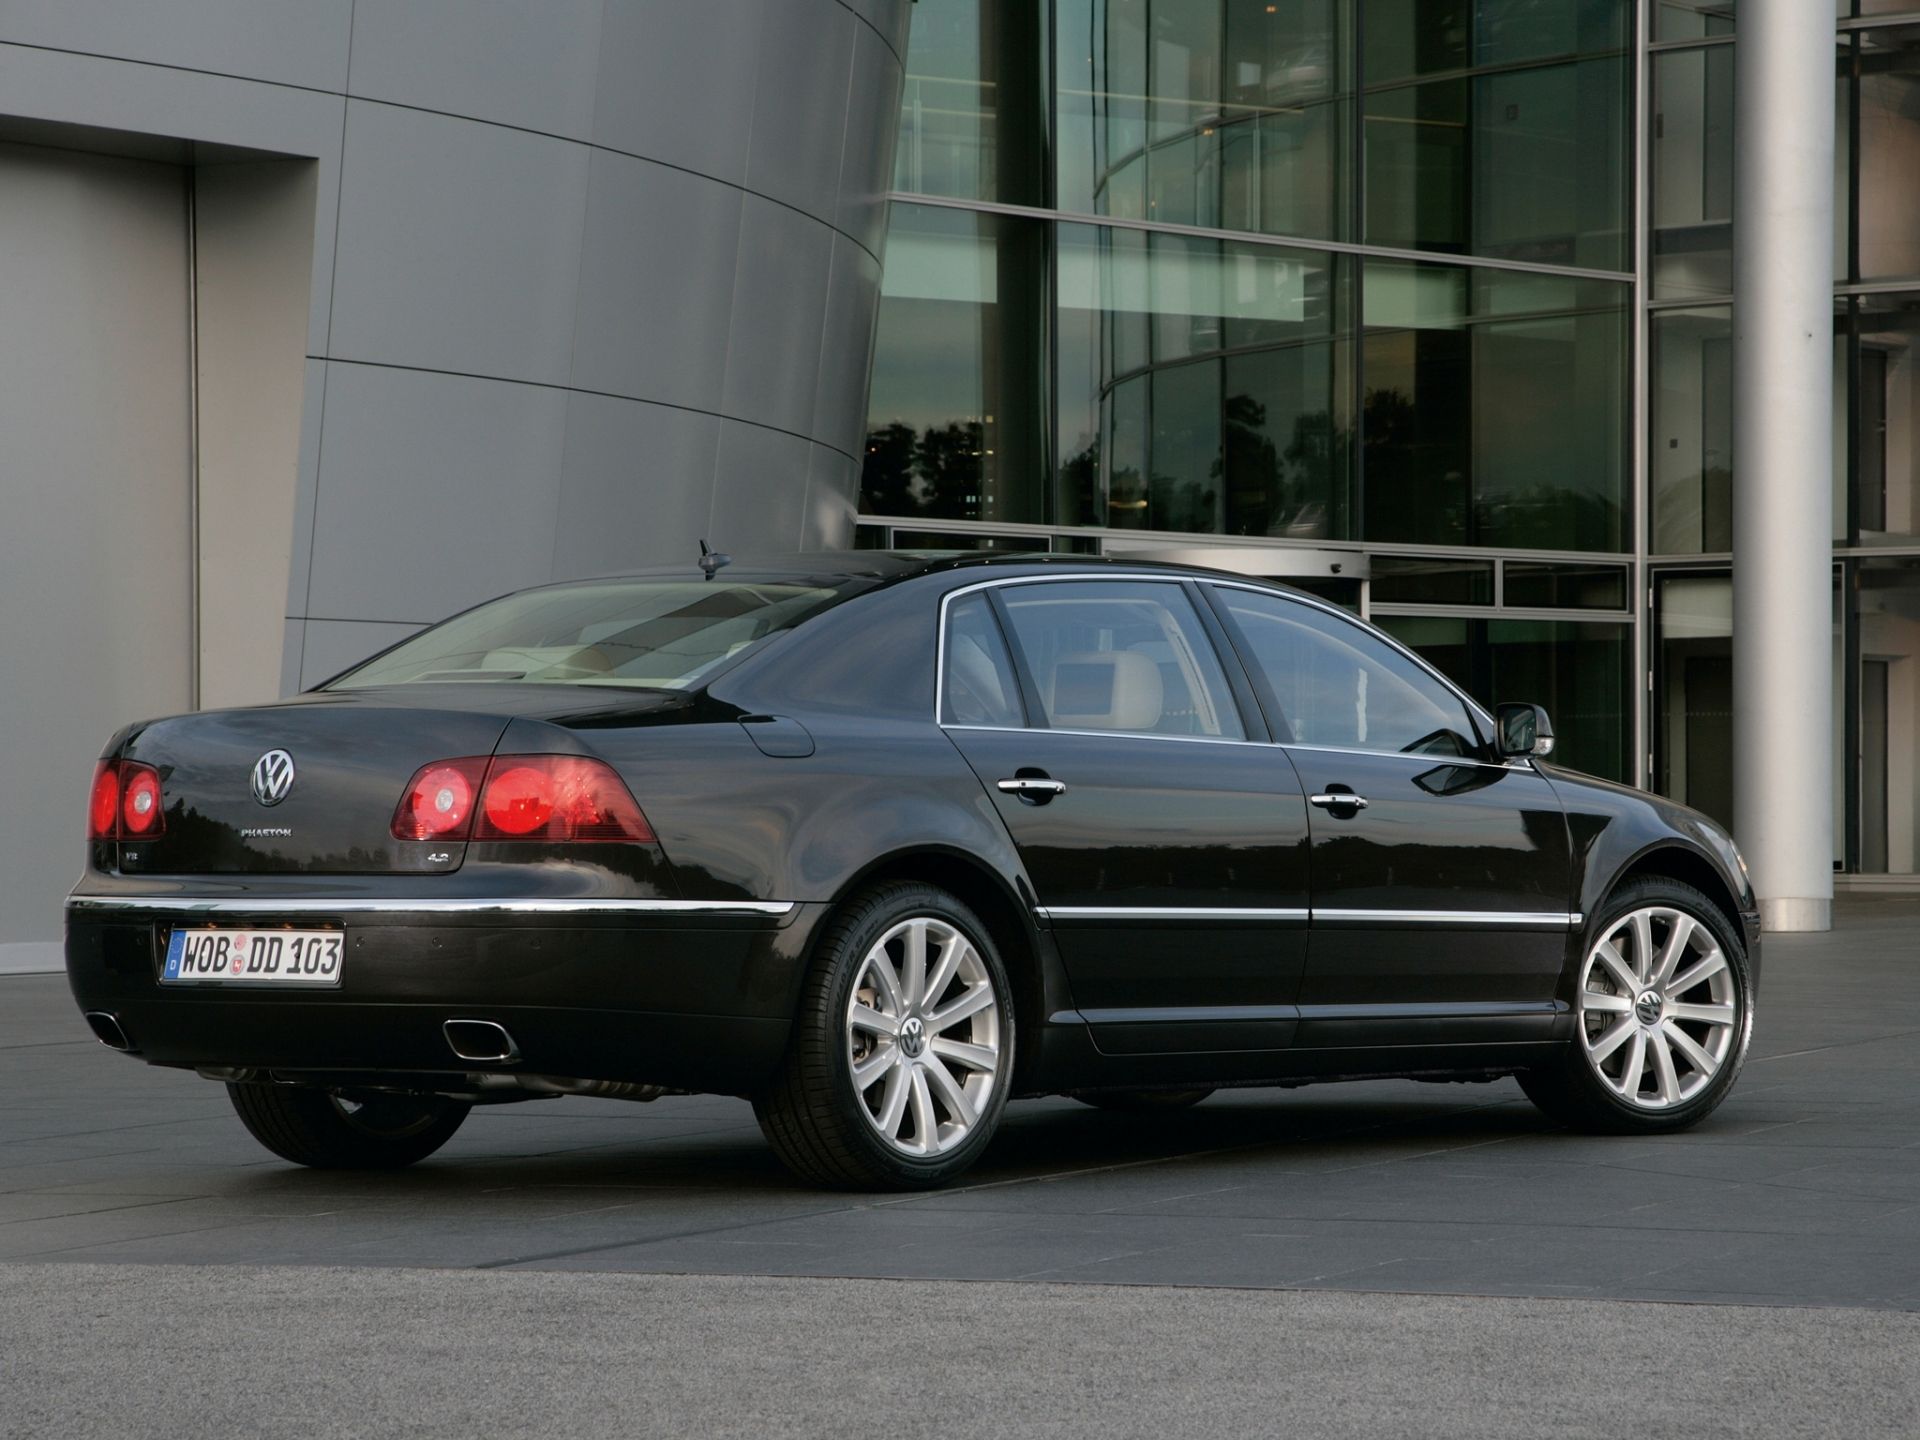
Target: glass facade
(1366,275)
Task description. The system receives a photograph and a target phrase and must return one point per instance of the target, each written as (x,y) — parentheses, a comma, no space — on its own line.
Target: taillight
(125,804)
(438,803)
(104,808)
(546,798)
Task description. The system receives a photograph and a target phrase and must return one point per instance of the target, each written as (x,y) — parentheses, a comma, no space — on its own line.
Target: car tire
(1143,1101)
(315,1127)
(894,1078)
(1656,1055)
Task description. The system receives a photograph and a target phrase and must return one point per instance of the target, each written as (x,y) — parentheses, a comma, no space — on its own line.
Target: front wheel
(902,1050)
(364,1131)
(1663,1010)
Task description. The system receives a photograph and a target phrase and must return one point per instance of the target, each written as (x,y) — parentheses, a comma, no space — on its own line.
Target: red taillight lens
(520,797)
(438,803)
(558,797)
(104,808)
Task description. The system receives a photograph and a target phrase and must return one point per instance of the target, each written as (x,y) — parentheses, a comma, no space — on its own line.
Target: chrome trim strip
(350,905)
(1545,919)
(1165,912)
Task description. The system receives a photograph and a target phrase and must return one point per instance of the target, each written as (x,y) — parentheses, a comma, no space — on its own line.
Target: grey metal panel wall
(592,278)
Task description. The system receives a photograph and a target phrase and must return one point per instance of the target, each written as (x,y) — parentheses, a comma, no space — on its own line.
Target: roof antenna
(712,560)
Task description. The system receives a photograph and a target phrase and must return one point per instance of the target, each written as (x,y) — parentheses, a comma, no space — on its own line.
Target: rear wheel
(1663,1013)
(365,1131)
(902,1050)
(1138,1101)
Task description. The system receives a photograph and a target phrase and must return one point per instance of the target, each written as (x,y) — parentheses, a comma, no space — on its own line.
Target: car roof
(832,567)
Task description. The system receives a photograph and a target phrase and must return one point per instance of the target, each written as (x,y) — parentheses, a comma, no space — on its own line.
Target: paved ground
(1802,1191)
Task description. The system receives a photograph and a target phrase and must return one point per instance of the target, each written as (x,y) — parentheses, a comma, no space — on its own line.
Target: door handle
(1033,789)
(1345,800)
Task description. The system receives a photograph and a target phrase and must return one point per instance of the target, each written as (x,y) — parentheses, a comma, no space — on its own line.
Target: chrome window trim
(1544,919)
(441,905)
(1179,577)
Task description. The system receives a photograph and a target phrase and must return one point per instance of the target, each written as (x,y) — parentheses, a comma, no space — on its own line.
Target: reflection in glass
(972,106)
(1222,113)
(1201,385)
(1495,408)
(955,416)
(1576,670)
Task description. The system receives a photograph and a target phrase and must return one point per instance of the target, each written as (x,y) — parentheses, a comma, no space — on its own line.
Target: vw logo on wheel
(913,1035)
(272,777)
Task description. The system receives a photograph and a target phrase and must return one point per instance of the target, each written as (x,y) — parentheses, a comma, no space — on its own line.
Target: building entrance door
(96,582)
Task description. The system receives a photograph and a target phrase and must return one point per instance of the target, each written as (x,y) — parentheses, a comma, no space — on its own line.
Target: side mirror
(1525,730)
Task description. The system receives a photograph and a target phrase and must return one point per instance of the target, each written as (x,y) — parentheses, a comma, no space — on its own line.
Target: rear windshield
(660,634)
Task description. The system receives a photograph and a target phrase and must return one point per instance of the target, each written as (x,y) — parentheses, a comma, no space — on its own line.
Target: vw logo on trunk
(272,777)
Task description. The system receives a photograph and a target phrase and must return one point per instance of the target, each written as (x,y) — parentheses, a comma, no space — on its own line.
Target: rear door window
(1125,656)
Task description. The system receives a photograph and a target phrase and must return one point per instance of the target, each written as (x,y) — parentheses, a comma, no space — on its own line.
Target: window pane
(956,413)
(978,687)
(1565,587)
(1693,172)
(1889,87)
(1525,161)
(1495,410)
(1409,38)
(1887,469)
(1578,672)
(1691,462)
(1223,113)
(1887,614)
(1121,656)
(1410,580)
(1336,685)
(1696,19)
(971,108)
(1202,385)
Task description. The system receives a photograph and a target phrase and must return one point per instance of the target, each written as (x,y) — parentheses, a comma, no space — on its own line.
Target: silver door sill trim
(313,905)
(1544,919)
(1165,912)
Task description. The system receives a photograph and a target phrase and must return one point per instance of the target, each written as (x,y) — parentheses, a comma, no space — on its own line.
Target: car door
(1166,845)
(1442,876)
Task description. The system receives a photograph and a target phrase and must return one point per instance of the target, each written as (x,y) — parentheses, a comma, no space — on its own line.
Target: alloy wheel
(923,1036)
(1659,1008)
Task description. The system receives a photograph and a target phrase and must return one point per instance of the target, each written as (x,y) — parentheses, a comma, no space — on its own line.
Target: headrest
(1104,690)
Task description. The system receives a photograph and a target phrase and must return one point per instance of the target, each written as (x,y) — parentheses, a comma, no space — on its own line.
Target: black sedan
(882,841)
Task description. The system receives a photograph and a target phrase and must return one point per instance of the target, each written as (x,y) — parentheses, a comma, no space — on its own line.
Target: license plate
(254,957)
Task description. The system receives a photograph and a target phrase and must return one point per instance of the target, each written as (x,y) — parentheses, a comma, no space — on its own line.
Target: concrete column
(1783,456)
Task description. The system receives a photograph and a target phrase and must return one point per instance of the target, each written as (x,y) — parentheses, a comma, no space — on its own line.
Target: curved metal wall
(593,279)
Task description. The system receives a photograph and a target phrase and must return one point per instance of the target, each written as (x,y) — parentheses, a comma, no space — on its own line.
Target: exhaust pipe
(483,1040)
(108,1031)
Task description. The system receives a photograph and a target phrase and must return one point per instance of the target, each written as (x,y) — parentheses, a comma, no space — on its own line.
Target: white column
(1783,456)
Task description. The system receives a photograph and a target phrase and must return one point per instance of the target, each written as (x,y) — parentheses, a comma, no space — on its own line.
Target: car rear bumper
(683,994)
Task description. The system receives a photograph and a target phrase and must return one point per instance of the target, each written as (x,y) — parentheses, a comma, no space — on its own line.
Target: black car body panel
(1180,916)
